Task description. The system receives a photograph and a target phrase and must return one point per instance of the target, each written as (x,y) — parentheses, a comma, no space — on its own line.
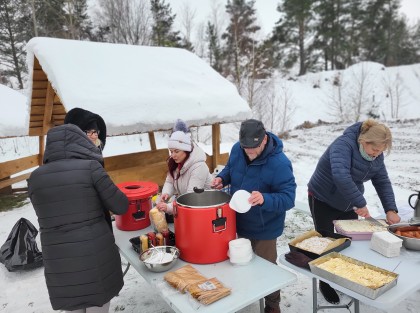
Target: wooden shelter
(206,97)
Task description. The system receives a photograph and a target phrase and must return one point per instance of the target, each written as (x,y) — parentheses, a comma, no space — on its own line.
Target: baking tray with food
(358,229)
(363,278)
(315,244)
(152,239)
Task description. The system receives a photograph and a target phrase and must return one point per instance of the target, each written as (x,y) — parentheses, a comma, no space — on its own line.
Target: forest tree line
(309,36)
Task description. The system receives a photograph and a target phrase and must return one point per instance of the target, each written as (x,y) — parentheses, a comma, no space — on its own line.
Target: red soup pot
(204,225)
(139,194)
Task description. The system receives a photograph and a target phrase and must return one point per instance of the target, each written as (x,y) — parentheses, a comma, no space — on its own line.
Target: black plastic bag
(20,251)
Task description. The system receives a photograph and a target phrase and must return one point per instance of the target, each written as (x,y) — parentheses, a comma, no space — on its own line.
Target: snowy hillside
(382,92)
(304,147)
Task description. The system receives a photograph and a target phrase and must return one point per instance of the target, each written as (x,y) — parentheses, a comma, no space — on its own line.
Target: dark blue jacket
(272,175)
(339,176)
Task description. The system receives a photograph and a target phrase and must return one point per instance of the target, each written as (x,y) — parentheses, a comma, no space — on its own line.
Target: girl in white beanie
(187,167)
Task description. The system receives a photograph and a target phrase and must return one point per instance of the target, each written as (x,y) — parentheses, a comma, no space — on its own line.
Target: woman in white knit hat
(187,167)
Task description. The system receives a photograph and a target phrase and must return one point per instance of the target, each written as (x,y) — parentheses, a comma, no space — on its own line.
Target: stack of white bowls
(240,251)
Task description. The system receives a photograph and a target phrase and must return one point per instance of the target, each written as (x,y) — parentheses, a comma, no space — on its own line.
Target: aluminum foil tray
(354,235)
(363,290)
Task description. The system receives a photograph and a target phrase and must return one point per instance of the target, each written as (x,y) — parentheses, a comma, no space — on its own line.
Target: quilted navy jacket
(272,175)
(341,171)
(68,193)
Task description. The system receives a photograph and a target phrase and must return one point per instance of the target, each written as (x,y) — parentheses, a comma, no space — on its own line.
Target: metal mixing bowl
(160,259)
(409,243)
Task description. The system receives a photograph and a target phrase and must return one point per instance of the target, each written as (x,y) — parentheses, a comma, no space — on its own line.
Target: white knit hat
(180,140)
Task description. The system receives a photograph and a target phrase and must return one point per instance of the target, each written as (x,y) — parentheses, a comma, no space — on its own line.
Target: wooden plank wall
(42,95)
(13,167)
(146,166)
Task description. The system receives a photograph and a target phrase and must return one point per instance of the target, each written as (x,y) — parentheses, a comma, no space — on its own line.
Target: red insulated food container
(204,225)
(139,195)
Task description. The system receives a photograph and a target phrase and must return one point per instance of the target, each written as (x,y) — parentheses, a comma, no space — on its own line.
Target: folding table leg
(316,307)
(126,269)
(314,295)
(356,306)
(262,305)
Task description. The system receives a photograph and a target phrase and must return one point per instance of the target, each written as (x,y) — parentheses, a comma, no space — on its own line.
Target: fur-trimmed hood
(84,119)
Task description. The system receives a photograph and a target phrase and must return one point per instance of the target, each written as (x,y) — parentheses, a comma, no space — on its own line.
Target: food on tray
(158,220)
(356,273)
(208,291)
(408,231)
(314,244)
(359,226)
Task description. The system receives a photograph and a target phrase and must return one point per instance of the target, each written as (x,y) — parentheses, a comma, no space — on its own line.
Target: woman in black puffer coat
(69,193)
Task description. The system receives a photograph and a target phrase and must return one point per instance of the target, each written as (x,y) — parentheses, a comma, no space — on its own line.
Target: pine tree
(77,22)
(14,33)
(50,18)
(331,31)
(380,18)
(162,34)
(292,31)
(215,52)
(241,46)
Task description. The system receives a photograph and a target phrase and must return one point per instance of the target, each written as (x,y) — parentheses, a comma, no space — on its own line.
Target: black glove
(298,259)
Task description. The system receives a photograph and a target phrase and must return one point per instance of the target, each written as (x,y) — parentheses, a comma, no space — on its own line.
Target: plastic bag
(298,259)
(158,220)
(20,251)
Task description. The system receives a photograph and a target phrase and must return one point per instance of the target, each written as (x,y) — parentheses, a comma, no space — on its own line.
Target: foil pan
(363,290)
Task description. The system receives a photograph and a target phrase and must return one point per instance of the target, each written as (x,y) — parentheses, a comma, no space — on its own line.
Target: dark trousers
(323,215)
(267,249)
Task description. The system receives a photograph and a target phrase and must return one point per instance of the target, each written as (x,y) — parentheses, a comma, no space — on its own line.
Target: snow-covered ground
(26,291)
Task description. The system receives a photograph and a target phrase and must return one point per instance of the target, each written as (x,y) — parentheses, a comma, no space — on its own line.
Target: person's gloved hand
(298,259)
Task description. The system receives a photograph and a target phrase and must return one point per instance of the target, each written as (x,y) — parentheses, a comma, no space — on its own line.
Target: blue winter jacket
(272,175)
(341,171)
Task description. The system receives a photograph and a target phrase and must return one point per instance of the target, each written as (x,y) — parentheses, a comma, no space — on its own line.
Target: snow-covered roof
(136,88)
(14,113)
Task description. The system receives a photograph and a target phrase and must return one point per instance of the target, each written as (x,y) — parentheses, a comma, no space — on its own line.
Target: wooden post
(7,190)
(215,128)
(152,140)
(41,147)
(47,121)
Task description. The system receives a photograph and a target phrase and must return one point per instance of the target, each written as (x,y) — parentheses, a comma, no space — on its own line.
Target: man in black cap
(258,165)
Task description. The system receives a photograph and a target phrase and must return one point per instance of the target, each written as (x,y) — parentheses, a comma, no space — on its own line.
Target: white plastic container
(386,244)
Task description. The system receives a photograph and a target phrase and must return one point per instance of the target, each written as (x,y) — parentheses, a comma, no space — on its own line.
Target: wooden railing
(139,166)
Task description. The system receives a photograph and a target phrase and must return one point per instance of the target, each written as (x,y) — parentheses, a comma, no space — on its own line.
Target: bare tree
(360,100)
(218,16)
(187,17)
(394,92)
(275,106)
(200,47)
(339,106)
(34,20)
(128,21)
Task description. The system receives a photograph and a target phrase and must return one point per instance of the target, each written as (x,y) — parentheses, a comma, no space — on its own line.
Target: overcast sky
(266,10)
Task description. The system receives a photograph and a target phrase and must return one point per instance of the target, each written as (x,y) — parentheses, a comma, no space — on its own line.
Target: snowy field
(26,291)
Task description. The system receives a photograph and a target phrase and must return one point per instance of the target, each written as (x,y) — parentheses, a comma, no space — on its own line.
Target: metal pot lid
(202,199)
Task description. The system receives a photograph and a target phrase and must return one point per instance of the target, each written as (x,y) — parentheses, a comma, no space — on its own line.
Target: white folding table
(407,265)
(249,282)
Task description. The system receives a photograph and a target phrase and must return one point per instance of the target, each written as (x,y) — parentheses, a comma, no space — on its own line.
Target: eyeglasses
(92,132)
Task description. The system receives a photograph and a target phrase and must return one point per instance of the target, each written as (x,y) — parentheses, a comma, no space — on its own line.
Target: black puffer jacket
(68,193)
